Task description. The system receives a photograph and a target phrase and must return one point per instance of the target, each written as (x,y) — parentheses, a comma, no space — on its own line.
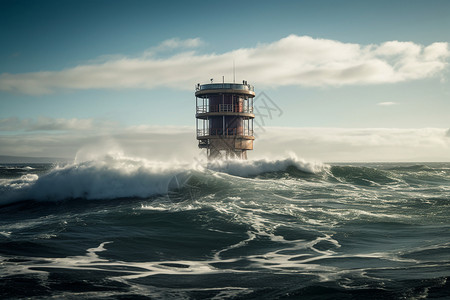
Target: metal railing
(202,109)
(233,86)
(224,108)
(224,132)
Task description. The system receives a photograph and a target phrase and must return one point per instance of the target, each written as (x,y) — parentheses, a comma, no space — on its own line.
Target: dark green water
(131,229)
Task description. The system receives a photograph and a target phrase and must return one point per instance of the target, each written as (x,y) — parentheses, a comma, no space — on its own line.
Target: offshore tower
(224,119)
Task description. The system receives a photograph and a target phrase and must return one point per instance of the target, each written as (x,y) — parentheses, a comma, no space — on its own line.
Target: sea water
(128,228)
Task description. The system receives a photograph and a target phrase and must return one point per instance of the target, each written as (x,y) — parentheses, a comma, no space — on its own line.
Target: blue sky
(84,71)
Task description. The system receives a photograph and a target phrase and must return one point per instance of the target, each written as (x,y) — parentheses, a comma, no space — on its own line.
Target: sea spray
(107,178)
(115,176)
(245,168)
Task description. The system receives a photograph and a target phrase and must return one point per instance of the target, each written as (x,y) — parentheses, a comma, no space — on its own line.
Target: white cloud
(386,103)
(179,143)
(294,60)
(143,141)
(357,144)
(174,44)
(45,124)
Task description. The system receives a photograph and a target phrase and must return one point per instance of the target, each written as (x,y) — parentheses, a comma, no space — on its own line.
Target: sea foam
(118,176)
(255,167)
(106,178)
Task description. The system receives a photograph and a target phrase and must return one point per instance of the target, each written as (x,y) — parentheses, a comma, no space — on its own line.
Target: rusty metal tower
(224,119)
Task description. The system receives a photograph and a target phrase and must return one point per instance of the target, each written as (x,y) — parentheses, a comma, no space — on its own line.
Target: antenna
(234,73)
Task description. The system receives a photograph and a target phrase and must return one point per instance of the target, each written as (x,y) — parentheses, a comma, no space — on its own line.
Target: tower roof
(234,88)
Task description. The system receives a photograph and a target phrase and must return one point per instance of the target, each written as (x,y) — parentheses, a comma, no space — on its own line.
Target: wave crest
(249,168)
(114,177)
(108,178)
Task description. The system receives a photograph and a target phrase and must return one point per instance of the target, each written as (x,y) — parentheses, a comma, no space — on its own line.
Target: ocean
(130,228)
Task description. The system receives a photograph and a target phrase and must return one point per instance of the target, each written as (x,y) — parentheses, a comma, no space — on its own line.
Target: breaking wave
(119,177)
(256,167)
(114,177)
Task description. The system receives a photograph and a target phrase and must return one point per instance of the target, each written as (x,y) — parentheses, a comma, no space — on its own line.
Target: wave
(121,177)
(114,177)
(249,168)
(14,167)
(413,168)
(364,176)
(108,178)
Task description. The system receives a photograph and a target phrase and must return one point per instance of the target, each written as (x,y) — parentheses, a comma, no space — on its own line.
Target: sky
(336,80)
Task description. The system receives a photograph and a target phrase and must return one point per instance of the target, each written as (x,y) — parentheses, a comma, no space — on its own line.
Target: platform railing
(224,132)
(224,108)
(202,109)
(234,86)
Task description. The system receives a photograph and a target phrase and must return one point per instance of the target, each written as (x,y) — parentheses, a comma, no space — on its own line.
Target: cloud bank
(293,60)
(164,143)
(359,144)
(46,124)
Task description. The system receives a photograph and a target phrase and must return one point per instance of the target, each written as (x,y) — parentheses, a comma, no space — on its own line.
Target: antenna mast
(234,73)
